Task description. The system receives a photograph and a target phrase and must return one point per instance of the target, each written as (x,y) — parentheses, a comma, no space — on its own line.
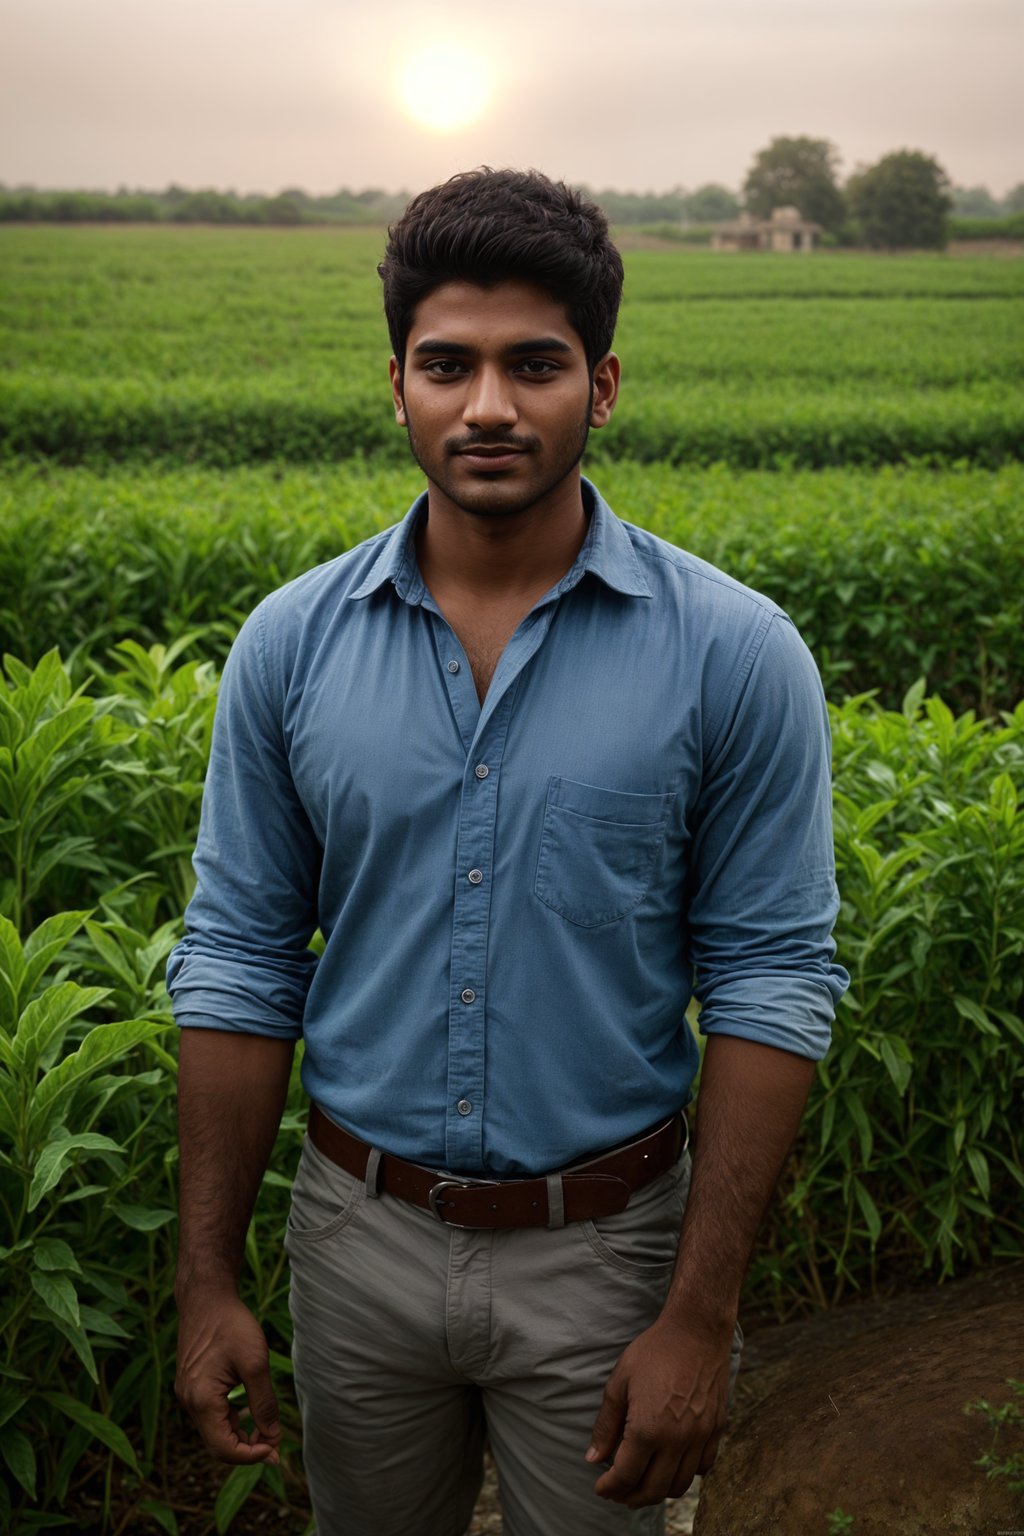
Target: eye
(444,367)
(537,367)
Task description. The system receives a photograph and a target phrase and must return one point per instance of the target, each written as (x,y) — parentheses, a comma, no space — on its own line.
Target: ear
(395,374)
(606,389)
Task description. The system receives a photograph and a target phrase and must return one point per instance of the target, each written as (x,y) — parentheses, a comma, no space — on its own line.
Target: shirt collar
(607,553)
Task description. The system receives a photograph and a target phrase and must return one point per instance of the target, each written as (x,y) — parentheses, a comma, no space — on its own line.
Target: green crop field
(189,418)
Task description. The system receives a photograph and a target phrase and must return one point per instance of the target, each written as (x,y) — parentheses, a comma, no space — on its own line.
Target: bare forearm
(232,1089)
(749,1107)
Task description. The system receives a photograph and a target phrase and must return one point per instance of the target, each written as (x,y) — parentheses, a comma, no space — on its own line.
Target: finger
(627,1470)
(710,1451)
(689,1465)
(217,1423)
(656,1482)
(609,1424)
(262,1400)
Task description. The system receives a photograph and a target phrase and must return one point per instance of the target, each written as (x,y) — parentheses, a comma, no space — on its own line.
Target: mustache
(478,440)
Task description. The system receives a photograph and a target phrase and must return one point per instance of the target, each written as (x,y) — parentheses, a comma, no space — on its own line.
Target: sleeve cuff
(791,1013)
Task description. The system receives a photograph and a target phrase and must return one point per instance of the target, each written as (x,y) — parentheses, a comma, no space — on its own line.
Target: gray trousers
(412,1340)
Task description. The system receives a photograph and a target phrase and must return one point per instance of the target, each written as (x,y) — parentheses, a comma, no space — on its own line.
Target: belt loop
(373,1173)
(556,1200)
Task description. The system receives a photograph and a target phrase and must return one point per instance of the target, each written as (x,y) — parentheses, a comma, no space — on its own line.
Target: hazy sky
(256,95)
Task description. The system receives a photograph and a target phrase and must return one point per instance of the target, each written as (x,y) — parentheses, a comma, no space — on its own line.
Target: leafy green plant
(911,1159)
(64,1299)
(1003,1460)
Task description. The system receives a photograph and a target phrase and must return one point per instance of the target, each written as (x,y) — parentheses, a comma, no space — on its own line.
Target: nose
(489,402)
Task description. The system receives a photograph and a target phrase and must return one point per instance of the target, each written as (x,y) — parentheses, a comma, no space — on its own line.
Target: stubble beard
(491,498)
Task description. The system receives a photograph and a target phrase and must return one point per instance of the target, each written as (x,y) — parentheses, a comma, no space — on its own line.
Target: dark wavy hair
(487,227)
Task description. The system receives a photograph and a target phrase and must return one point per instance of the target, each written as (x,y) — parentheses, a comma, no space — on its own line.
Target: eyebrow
(518,349)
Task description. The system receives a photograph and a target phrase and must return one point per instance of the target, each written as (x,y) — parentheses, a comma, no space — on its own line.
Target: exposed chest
(484,632)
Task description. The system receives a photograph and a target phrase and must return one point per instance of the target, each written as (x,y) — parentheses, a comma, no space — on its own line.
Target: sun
(445,86)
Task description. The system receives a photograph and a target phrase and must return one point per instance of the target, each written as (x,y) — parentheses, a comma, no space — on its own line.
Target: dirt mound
(862,1410)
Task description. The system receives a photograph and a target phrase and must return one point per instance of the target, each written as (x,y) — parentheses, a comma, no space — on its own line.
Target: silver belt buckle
(434,1197)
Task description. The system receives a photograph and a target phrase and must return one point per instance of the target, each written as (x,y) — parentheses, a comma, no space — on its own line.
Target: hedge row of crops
(223,349)
(890,576)
(171,409)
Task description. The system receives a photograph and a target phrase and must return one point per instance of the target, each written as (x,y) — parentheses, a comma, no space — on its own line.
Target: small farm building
(786,230)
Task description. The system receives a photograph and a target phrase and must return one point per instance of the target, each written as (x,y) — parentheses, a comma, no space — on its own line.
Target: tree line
(905,200)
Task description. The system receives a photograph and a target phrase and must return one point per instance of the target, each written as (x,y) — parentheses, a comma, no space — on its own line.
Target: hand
(220,1344)
(662,1414)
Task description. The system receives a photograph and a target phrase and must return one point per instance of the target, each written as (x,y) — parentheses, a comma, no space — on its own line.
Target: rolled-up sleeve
(245,962)
(763,896)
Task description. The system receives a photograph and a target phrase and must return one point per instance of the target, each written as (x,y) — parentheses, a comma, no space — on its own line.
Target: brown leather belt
(601,1186)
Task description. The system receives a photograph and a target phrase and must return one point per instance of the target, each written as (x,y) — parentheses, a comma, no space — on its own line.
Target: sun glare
(445,87)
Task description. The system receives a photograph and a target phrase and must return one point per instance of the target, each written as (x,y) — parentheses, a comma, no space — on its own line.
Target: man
(531,771)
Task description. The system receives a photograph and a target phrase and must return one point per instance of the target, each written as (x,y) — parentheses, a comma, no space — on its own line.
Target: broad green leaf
(869,1210)
(43,946)
(967,1008)
(163,1514)
(855,1109)
(103,1044)
(96,1321)
(12,972)
(58,1295)
(11,1400)
(98,1426)
(79,1341)
(44,1023)
(54,1253)
(978,1164)
(237,1487)
(17,1451)
(142,1218)
(912,699)
(53,1160)
(899,1070)
(117,960)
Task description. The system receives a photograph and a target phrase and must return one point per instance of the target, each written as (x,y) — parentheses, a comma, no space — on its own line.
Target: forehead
(473,315)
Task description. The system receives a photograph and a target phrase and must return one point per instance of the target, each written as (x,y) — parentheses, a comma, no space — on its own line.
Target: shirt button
(453,666)
(464,1107)
(475,876)
(468,996)
(481,770)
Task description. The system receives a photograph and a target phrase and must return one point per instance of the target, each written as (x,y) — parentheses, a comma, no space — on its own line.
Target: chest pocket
(598,850)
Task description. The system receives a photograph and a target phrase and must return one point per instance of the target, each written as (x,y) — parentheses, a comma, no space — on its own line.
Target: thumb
(610,1421)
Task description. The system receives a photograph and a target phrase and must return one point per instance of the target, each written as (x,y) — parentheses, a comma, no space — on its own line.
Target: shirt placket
(474,871)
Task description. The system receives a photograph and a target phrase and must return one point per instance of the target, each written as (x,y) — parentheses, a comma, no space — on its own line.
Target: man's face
(497,396)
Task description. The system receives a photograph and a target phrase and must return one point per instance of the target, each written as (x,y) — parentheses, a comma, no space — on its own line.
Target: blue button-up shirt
(517,899)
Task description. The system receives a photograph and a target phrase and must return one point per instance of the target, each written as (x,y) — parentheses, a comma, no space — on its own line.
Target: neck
(501,556)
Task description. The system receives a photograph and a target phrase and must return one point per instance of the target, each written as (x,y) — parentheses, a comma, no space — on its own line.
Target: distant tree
(206,207)
(975,203)
(282,209)
(1013,202)
(711,204)
(801,173)
(903,201)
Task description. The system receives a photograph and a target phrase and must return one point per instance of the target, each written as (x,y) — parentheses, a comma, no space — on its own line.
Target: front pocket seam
(336,1224)
(607,1254)
(655,830)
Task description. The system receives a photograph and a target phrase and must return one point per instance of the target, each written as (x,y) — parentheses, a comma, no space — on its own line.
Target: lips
(490,457)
